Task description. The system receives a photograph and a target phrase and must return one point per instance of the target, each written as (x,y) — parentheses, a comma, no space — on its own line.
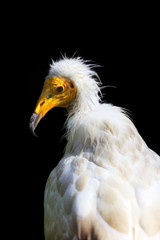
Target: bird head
(68,79)
(56,92)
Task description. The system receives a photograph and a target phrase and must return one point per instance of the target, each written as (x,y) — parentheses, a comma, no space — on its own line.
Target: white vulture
(107,185)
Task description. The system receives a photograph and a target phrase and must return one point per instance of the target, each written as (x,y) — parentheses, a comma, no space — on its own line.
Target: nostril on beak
(42,103)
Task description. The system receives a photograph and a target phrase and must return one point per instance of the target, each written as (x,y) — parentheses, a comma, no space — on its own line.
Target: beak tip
(33,132)
(34,120)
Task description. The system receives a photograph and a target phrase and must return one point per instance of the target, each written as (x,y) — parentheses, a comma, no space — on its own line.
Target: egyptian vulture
(107,185)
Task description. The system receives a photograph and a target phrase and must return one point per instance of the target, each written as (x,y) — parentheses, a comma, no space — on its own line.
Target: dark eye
(59,89)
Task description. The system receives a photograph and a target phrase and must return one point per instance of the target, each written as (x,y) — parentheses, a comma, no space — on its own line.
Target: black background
(122,39)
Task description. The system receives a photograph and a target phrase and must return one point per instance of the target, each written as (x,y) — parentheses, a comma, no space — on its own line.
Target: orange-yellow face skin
(56,92)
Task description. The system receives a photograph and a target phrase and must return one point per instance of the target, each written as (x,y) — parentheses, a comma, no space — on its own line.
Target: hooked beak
(43,106)
(46,101)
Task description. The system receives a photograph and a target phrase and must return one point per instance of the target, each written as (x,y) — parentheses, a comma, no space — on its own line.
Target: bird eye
(59,89)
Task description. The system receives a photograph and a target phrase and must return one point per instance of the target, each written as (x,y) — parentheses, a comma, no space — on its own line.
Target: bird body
(107,185)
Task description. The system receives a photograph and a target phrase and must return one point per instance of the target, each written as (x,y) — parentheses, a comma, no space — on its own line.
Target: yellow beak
(46,101)
(42,107)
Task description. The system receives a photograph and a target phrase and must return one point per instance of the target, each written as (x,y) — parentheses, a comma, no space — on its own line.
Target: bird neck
(82,131)
(103,125)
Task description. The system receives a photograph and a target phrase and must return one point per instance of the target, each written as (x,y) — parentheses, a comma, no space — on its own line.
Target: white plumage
(107,185)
